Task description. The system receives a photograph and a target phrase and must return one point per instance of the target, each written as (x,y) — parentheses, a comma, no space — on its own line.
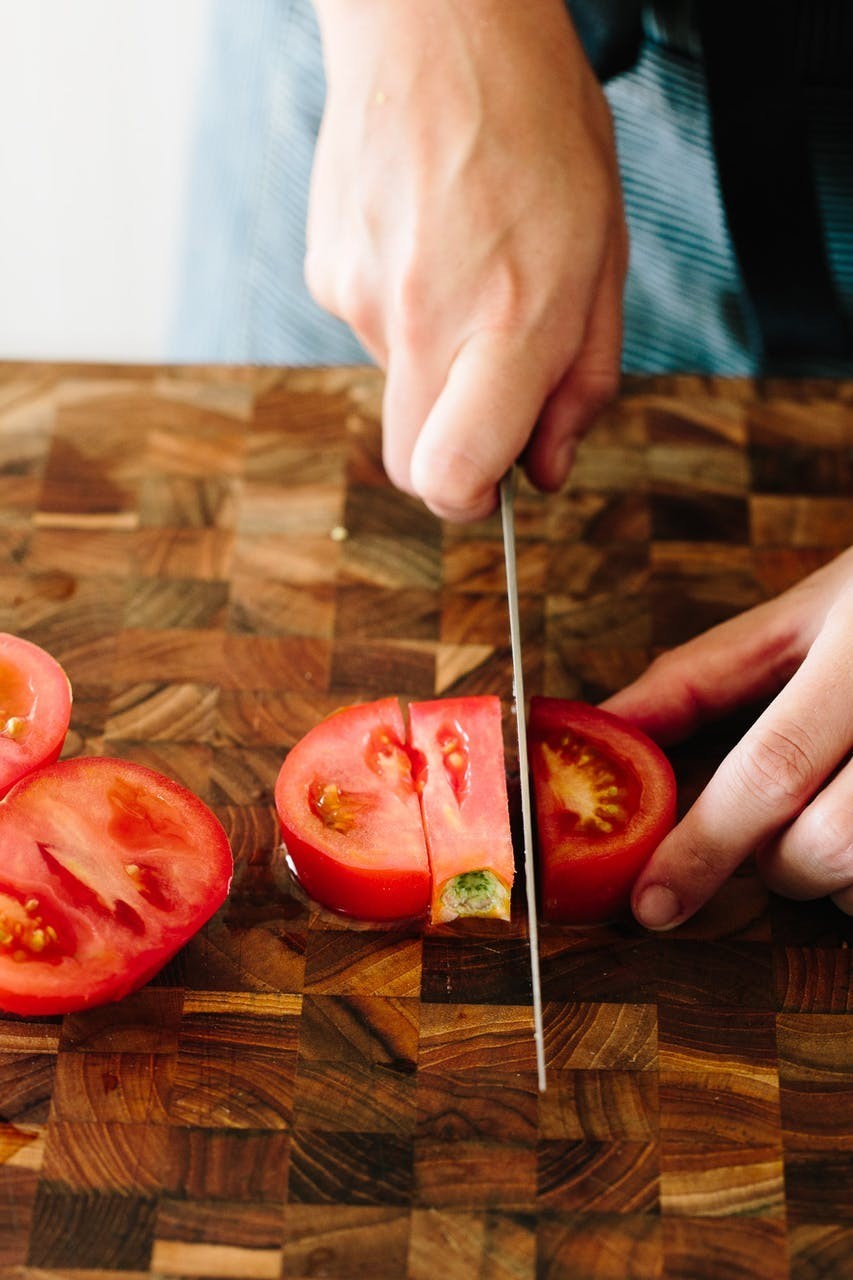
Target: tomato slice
(350,817)
(106,869)
(35,709)
(464,805)
(605,798)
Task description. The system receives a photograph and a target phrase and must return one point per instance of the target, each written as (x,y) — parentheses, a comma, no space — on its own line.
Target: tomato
(350,816)
(605,798)
(35,709)
(106,869)
(380,826)
(459,743)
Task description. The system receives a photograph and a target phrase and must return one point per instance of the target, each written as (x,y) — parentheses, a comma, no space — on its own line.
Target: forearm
(412,33)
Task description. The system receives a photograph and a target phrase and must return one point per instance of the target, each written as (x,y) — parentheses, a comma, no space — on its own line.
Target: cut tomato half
(35,709)
(605,797)
(106,870)
(459,742)
(350,817)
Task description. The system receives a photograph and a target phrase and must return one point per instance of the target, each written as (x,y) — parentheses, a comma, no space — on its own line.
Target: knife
(508,485)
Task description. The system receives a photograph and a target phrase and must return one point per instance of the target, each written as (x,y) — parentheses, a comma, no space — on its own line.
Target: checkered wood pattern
(296,1096)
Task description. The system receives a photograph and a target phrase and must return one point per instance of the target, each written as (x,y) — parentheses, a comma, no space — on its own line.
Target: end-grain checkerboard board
(294,1096)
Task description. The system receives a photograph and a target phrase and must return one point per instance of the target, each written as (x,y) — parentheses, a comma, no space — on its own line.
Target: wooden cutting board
(217,559)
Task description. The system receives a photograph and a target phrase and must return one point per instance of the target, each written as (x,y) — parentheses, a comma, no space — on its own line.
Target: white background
(96,122)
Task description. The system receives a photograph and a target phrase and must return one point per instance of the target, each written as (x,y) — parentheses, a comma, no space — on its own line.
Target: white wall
(96,119)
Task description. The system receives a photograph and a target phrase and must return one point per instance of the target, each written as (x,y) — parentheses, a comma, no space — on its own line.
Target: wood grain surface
(217,559)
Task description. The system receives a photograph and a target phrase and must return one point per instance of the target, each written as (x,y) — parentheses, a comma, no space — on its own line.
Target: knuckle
(667,669)
(397,471)
(411,311)
(700,863)
(664,661)
(508,302)
(674,669)
(316,278)
(500,304)
(598,386)
(776,767)
(827,833)
(355,305)
(843,899)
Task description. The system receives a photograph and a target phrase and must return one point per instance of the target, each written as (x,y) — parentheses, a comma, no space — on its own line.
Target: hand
(786,790)
(466,221)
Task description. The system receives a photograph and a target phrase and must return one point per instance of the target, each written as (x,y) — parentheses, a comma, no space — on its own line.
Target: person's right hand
(466,221)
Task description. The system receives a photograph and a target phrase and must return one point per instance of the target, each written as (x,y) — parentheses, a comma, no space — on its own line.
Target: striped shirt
(242,297)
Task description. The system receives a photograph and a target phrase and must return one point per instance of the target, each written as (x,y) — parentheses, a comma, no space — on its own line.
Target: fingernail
(657,907)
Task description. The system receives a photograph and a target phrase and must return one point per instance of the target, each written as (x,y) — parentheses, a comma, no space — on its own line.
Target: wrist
(414,21)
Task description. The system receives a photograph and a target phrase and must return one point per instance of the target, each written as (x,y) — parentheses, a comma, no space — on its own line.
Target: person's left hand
(786,790)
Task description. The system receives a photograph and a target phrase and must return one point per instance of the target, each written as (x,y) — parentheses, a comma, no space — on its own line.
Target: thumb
(477,427)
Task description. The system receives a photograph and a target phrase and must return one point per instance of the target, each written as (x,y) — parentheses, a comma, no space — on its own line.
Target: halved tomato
(605,798)
(350,817)
(459,744)
(35,709)
(106,869)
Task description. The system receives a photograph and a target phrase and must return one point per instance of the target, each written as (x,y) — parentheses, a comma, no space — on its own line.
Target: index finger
(478,425)
(761,785)
(746,657)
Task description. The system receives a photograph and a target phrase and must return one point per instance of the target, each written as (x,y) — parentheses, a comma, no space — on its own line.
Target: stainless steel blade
(508,485)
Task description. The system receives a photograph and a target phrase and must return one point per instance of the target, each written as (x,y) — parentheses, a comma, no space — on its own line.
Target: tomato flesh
(605,797)
(106,870)
(464,805)
(349,814)
(35,709)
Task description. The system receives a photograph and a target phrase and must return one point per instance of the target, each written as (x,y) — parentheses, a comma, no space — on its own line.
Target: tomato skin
(350,817)
(35,709)
(586,876)
(106,870)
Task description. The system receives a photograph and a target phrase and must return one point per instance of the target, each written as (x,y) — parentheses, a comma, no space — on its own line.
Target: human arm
(466,221)
(786,789)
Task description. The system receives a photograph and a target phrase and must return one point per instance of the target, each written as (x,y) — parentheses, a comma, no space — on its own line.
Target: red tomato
(350,817)
(35,708)
(464,805)
(605,798)
(106,869)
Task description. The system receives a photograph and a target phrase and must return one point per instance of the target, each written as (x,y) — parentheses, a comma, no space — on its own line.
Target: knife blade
(507,490)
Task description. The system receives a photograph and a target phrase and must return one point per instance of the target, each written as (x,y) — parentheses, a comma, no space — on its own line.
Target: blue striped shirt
(242,297)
